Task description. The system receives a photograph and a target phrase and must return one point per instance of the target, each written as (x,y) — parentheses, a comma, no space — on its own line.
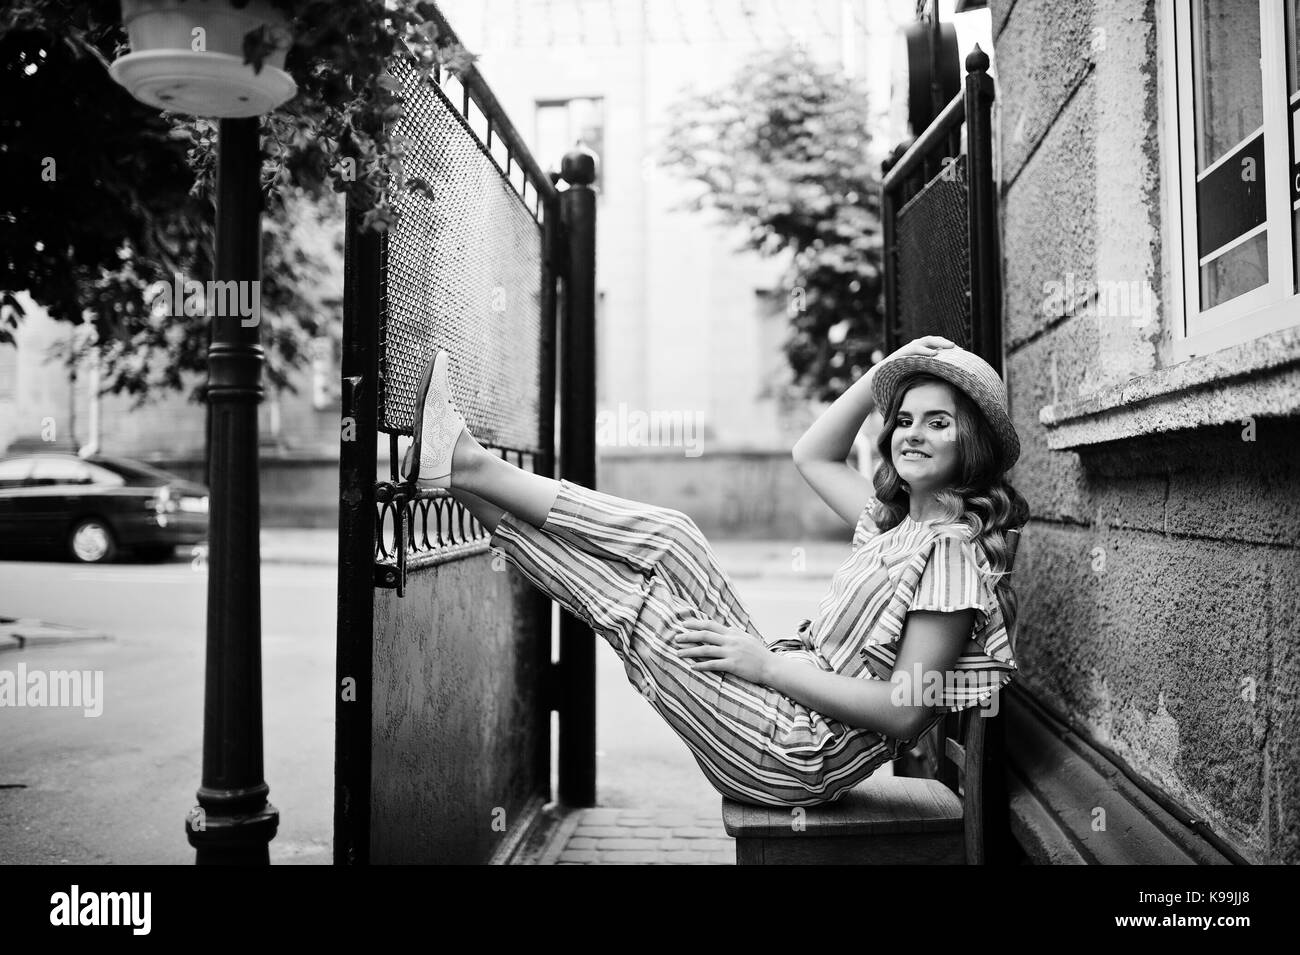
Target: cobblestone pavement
(645,836)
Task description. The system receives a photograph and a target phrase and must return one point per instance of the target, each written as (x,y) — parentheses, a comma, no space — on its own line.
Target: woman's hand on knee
(708,645)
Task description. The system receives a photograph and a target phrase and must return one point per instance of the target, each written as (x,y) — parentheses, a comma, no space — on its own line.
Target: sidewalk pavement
(305,545)
(19,632)
(642,836)
(656,806)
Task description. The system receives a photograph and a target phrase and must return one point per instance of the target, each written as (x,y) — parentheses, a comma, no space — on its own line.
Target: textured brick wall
(1158,574)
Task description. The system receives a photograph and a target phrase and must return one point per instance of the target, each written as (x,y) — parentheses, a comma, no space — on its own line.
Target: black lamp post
(233,822)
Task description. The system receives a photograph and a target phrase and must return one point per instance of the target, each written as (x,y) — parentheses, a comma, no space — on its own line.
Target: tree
(104,198)
(100,206)
(781,151)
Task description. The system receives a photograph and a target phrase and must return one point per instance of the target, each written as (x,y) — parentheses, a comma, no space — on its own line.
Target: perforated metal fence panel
(463,272)
(940,223)
(933,259)
(445,746)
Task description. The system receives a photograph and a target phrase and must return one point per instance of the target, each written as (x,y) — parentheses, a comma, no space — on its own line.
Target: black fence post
(234,823)
(985,263)
(577,770)
(358,450)
(554,257)
(888,263)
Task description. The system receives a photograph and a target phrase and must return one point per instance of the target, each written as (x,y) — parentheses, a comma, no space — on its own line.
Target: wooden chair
(946,805)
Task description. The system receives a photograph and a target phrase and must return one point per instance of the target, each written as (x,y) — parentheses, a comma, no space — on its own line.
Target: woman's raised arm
(821,454)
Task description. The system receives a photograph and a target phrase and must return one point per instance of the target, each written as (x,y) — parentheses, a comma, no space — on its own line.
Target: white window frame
(1275,304)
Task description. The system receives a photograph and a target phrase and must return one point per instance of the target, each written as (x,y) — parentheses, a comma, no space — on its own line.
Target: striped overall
(633,572)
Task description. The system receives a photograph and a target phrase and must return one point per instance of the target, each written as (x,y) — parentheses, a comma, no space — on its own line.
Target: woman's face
(924,442)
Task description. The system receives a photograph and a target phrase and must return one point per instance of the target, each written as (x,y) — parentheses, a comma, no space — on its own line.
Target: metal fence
(942,271)
(463,273)
(943,277)
(443,721)
(462,270)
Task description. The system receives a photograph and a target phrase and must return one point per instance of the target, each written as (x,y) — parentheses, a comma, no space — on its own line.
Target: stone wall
(1158,574)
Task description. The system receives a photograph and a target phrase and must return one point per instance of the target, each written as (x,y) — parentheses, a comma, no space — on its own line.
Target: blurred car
(97,508)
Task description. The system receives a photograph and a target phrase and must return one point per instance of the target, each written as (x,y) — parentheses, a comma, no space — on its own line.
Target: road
(116,788)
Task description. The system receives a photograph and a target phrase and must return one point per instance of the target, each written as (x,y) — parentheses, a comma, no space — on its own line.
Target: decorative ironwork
(421,527)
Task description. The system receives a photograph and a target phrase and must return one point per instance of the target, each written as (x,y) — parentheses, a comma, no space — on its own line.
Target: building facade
(46,403)
(690,329)
(688,324)
(1152,332)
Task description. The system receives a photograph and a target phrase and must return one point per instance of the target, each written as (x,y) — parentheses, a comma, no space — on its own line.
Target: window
(563,124)
(60,471)
(103,477)
(1232,81)
(325,370)
(8,373)
(136,471)
(13,473)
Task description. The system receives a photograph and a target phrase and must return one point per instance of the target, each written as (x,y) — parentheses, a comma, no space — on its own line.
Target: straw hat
(967,371)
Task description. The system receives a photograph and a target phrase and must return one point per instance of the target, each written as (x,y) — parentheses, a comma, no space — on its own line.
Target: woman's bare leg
(647,538)
(481,473)
(485,512)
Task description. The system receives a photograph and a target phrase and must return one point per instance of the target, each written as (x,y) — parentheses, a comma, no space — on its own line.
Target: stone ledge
(1058,777)
(1258,378)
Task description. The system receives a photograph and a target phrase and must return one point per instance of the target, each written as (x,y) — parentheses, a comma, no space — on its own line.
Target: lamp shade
(187,57)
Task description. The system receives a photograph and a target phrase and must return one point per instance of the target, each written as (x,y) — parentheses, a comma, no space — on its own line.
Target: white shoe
(436,428)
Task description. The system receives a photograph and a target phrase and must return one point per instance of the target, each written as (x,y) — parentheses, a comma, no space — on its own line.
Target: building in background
(689,328)
(44,403)
(686,325)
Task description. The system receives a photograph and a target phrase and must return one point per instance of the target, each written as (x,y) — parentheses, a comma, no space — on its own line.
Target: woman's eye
(942,423)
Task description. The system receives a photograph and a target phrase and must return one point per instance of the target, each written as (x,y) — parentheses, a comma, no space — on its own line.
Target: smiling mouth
(912,455)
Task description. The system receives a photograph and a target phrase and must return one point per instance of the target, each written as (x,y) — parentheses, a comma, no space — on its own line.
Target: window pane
(15,470)
(1229,91)
(588,119)
(1235,272)
(1230,198)
(1292,85)
(1295,248)
(104,477)
(59,471)
(552,134)
(563,125)
(1292,51)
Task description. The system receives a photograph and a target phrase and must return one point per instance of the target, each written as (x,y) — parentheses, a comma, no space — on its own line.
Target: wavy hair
(981,499)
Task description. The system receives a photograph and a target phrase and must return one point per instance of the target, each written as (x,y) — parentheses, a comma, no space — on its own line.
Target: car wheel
(91,542)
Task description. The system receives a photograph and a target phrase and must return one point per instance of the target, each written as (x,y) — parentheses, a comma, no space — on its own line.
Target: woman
(916,621)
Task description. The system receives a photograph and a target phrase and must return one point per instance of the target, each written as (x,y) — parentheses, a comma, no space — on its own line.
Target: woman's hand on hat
(926,345)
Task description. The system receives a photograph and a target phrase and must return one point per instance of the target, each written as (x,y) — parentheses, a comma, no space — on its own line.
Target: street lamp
(187,56)
(233,822)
